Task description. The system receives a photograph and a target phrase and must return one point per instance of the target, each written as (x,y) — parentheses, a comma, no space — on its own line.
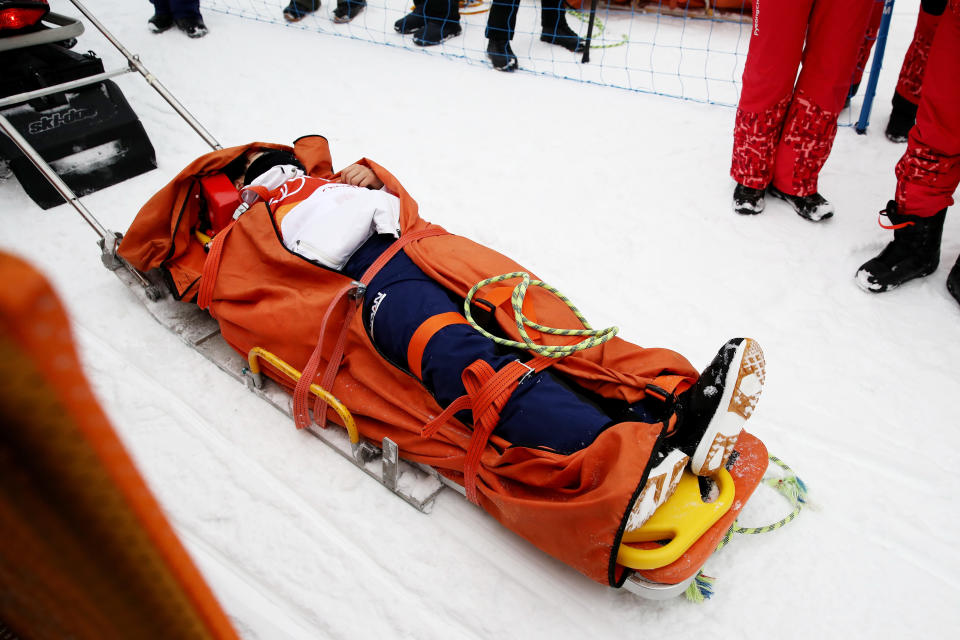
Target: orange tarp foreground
(85,551)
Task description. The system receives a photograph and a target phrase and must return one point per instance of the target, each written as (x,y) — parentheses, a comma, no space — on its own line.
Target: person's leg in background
(928,173)
(906,98)
(835,34)
(501,23)
(776,47)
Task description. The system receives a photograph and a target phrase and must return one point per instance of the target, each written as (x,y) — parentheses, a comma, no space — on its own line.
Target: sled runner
(184,248)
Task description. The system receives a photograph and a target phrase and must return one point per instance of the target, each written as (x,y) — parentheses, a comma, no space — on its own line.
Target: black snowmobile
(63,104)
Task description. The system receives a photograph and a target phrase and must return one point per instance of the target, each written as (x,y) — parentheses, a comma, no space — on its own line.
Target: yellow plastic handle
(253,359)
(681,521)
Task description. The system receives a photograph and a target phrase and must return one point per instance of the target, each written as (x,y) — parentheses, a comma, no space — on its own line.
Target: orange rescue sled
(245,282)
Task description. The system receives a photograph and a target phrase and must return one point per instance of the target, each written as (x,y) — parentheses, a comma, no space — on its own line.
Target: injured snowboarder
(558,434)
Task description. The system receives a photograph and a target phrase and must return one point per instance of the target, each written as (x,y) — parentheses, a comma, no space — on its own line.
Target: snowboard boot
(501,55)
(711,413)
(813,207)
(347,10)
(747,201)
(902,118)
(665,472)
(411,22)
(193,27)
(914,251)
(297,10)
(160,22)
(436,31)
(564,36)
(953,281)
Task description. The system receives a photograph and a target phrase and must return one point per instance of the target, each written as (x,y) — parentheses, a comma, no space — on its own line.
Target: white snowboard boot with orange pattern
(709,418)
(711,414)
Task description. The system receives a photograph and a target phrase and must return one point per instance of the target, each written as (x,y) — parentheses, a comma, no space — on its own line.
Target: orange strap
(664,387)
(211,267)
(302,390)
(423,334)
(487,394)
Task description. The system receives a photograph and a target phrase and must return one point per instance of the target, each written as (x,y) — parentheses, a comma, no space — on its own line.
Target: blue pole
(878,49)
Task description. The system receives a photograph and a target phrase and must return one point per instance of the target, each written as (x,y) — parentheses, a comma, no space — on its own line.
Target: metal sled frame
(415,483)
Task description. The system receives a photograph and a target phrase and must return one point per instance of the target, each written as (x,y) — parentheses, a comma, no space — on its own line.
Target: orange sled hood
(573,507)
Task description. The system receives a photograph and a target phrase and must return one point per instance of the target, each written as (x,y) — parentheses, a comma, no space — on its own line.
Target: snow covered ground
(622,201)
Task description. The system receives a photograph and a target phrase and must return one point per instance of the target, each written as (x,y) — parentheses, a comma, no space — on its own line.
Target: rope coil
(592,337)
(789,486)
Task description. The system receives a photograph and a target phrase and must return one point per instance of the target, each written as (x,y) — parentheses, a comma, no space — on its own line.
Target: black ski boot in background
(501,55)
(297,10)
(563,35)
(902,118)
(748,201)
(347,10)
(413,21)
(813,207)
(914,251)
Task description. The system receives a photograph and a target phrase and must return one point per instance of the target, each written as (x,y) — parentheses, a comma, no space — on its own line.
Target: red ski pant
(784,129)
(915,60)
(911,71)
(929,171)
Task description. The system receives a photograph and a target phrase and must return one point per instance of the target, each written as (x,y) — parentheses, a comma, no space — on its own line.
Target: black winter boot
(902,118)
(913,253)
(412,21)
(347,10)
(435,32)
(711,413)
(160,22)
(813,207)
(193,27)
(501,55)
(747,201)
(564,36)
(297,10)
(953,281)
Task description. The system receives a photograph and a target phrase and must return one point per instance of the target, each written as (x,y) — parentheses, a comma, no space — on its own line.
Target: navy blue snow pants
(544,411)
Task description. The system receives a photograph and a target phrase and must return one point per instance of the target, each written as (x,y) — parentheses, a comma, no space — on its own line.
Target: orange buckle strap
(487,394)
(423,334)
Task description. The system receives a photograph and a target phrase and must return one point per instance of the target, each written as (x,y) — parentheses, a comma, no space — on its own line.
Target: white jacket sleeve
(332,223)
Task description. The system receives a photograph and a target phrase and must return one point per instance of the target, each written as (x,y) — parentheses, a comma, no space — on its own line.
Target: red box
(222,199)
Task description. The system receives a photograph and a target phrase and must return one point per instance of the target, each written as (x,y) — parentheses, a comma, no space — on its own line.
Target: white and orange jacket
(321,220)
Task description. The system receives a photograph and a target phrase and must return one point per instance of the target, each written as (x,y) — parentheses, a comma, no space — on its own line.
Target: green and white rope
(789,486)
(592,337)
(599,27)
